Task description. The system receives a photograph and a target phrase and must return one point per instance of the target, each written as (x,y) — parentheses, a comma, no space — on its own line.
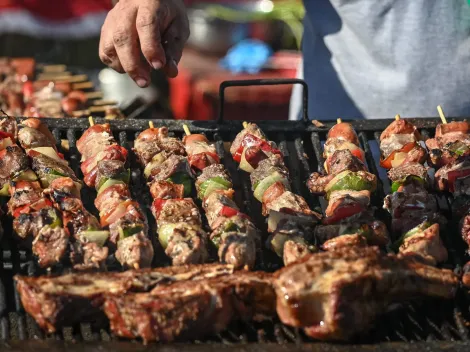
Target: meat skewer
(34,217)
(167,170)
(415,220)
(347,186)
(233,233)
(63,188)
(290,220)
(103,167)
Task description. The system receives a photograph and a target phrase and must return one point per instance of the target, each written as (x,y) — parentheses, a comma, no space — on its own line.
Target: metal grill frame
(301,143)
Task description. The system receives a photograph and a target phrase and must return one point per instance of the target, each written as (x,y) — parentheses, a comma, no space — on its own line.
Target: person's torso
(377,58)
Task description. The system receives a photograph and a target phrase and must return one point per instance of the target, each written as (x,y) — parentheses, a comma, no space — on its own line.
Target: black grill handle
(263,82)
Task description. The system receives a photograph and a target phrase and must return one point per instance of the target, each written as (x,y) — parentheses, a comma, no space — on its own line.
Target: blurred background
(232,39)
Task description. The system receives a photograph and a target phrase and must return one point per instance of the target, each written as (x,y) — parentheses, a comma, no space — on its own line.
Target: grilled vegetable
(348,180)
(95,236)
(264,184)
(184,179)
(420,228)
(212,184)
(408,179)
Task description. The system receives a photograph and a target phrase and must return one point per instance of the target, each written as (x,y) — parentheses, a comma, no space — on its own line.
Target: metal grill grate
(301,144)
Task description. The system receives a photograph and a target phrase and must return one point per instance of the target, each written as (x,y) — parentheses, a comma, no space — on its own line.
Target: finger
(173,42)
(150,19)
(107,52)
(127,47)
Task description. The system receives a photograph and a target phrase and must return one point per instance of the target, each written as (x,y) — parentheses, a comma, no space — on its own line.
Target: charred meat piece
(23,193)
(90,166)
(400,126)
(88,256)
(174,164)
(166,190)
(135,251)
(117,191)
(31,223)
(410,169)
(50,245)
(12,162)
(346,180)
(454,177)
(425,244)
(170,211)
(182,311)
(237,240)
(49,169)
(110,169)
(343,131)
(336,295)
(252,129)
(346,203)
(215,170)
(267,167)
(452,127)
(344,241)
(33,138)
(317,182)
(342,160)
(373,231)
(289,240)
(68,299)
(215,205)
(94,139)
(184,243)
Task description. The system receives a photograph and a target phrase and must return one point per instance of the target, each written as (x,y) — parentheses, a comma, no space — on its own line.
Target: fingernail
(157,64)
(141,82)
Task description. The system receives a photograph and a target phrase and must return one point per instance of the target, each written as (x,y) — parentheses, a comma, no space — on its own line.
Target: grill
(436,324)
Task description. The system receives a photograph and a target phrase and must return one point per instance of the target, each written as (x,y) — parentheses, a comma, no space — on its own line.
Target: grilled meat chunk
(335,295)
(33,138)
(340,242)
(166,190)
(452,127)
(342,160)
(88,256)
(67,299)
(394,143)
(453,177)
(183,311)
(215,170)
(50,245)
(374,231)
(426,245)
(94,139)
(410,169)
(214,205)
(252,129)
(110,169)
(135,251)
(174,164)
(118,191)
(318,184)
(237,240)
(12,162)
(48,169)
(267,167)
(9,125)
(146,149)
(23,193)
(177,210)
(400,126)
(31,223)
(343,131)
(184,243)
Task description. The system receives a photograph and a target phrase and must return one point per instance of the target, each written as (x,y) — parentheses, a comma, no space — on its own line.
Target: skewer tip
(397,117)
(186,129)
(90,120)
(338,121)
(151,125)
(441,114)
(245,124)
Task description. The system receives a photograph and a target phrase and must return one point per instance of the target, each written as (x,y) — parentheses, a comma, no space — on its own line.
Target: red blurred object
(194,93)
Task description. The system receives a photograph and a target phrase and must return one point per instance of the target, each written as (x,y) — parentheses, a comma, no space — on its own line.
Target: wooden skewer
(151,124)
(90,120)
(104,102)
(245,124)
(441,114)
(54,76)
(83,85)
(99,108)
(397,117)
(94,95)
(338,121)
(53,68)
(186,129)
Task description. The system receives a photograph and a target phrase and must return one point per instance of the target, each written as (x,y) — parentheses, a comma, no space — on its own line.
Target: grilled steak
(68,299)
(191,310)
(109,169)
(335,295)
(401,172)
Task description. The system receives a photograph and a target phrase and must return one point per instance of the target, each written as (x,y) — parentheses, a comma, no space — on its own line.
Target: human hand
(139,35)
